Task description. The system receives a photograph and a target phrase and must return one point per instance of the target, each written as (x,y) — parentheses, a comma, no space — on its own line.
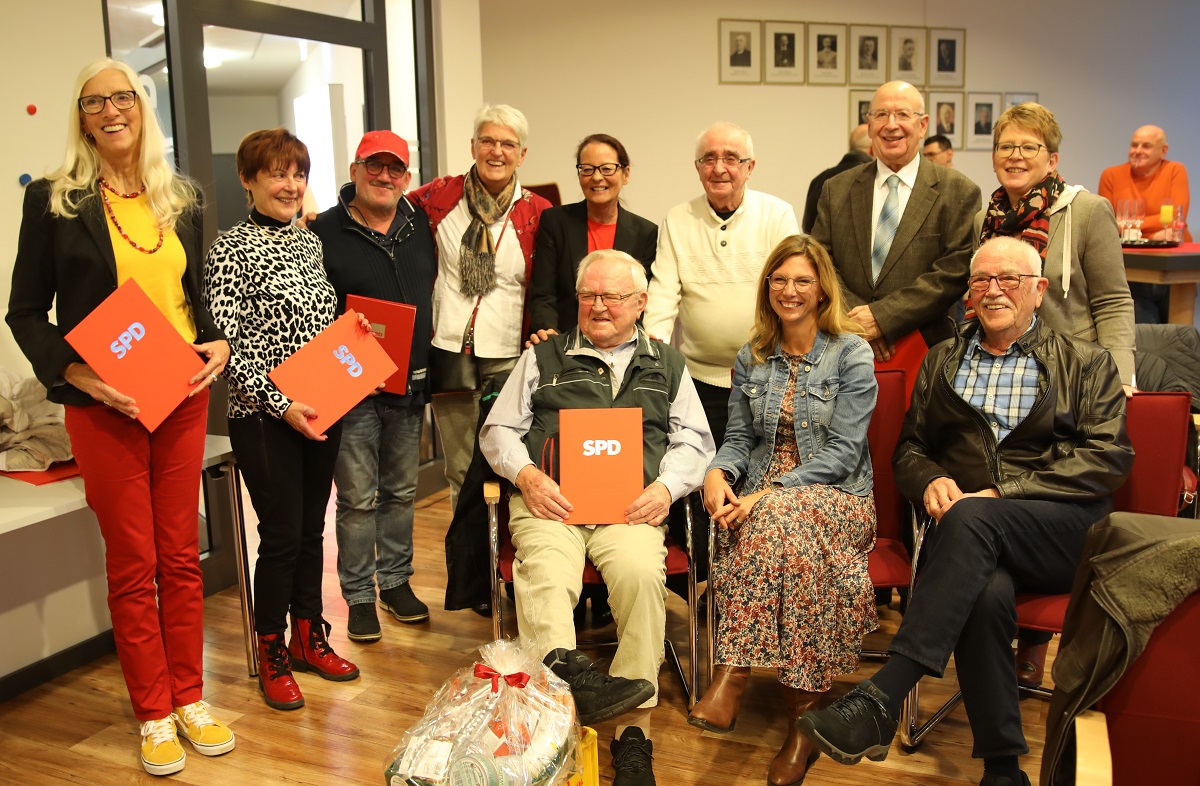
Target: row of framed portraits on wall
(967,125)
(816,53)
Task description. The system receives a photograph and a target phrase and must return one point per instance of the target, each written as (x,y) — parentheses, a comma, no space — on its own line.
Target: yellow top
(159,274)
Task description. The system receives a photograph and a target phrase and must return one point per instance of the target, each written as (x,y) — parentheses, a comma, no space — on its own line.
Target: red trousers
(145,489)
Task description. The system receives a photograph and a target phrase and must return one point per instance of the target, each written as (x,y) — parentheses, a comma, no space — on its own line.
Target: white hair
(640,283)
(724,125)
(1025,255)
(503,115)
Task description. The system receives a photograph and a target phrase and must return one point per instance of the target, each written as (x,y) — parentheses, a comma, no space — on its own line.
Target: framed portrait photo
(783,53)
(868,55)
(1012,99)
(946,116)
(828,51)
(982,111)
(739,58)
(907,50)
(860,105)
(947,57)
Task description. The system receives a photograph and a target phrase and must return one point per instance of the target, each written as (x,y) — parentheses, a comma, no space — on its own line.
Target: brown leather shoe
(718,710)
(790,765)
(1031,664)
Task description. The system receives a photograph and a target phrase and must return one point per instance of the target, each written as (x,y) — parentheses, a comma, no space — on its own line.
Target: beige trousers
(548,577)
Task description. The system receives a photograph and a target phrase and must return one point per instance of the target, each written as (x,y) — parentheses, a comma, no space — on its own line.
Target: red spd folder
(392,324)
(334,371)
(600,462)
(910,351)
(132,347)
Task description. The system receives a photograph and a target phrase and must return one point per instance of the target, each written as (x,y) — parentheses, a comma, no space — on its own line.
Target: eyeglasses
(901,115)
(375,166)
(507,145)
(730,161)
(1005,281)
(587,170)
(1028,150)
(94,105)
(779,283)
(610,299)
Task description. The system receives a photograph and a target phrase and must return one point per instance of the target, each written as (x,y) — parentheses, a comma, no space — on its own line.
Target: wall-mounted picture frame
(982,111)
(783,53)
(947,57)
(868,55)
(739,59)
(828,51)
(860,104)
(907,47)
(1012,99)
(946,116)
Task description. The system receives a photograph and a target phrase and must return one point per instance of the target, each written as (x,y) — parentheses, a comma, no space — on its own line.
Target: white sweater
(706,274)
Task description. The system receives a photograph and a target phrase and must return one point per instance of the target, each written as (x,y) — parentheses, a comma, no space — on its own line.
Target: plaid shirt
(1002,388)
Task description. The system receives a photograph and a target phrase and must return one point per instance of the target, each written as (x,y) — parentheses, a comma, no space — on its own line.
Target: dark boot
(275,674)
(798,752)
(718,710)
(598,696)
(310,651)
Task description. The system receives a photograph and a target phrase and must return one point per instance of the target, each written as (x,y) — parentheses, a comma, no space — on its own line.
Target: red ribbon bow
(518,680)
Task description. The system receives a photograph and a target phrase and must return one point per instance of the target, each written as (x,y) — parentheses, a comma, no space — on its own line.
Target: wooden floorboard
(80,728)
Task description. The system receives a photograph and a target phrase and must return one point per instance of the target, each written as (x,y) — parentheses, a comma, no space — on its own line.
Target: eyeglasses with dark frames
(1005,281)
(587,170)
(730,161)
(374,166)
(94,105)
(1028,150)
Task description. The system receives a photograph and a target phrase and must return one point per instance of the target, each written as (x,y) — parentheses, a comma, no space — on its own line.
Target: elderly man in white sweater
(711,250)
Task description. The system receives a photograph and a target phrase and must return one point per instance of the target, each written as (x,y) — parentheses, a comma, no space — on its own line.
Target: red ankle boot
(310,651)
(275,674)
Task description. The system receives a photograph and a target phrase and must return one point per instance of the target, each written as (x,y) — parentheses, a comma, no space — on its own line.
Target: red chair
(548,191)
(504,554)
(1157,425)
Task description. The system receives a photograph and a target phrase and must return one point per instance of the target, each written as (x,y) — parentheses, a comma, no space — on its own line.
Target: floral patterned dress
(791,583)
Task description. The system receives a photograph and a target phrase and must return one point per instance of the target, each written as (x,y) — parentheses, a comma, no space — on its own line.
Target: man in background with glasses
(607,362)
(377,244)
(899,231)
(1013,461)
(711,250)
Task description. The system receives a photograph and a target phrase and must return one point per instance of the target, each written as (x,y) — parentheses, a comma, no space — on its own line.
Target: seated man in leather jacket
(1013,444)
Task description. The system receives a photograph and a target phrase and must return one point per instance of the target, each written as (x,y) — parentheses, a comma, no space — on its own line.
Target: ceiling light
(212,59)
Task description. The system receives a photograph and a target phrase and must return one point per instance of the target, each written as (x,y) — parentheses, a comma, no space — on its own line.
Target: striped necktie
(885,231)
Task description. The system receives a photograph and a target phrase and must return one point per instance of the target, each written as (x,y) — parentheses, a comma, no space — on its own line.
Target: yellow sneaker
(207,735)
(161,752)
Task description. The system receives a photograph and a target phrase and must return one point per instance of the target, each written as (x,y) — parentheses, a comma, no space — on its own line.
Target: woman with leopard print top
(265,285)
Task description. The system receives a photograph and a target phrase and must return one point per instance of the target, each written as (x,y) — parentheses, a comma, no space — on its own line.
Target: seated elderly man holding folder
(605,365)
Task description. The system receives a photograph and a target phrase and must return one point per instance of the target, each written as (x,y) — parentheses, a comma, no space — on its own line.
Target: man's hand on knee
(941,494)
(652,507)
(542,495)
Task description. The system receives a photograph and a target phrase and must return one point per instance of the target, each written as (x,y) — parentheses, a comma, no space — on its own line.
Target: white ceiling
(252,63)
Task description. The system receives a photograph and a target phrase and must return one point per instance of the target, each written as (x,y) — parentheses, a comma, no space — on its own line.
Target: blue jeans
(376,479)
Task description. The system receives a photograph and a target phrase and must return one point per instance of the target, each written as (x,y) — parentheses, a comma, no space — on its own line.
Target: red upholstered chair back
(548,191)
(1153,712)
(1157,424)
(889,564)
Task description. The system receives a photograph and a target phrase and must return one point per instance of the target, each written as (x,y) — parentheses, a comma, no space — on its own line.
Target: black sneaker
(990,779)
(403,604)
(598,697)
(363,624)
(633,759)
(854,726)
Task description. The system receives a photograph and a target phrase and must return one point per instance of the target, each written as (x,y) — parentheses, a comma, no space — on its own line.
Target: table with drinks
(1164,258)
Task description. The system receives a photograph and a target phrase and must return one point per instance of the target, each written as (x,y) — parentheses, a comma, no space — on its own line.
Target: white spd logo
(600,447)
(125,341)
(345,357)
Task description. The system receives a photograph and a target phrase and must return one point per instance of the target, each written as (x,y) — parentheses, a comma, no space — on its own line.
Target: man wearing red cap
(378,244)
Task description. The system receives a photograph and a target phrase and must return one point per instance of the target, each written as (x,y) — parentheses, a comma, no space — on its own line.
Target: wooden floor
(80,728)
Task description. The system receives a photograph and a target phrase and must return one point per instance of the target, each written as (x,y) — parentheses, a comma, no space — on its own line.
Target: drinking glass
(1138,215)
(1166,214)
(1179,225)
(1123,222)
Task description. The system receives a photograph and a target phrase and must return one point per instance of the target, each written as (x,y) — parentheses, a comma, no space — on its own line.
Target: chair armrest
(491,492)
(1093,757)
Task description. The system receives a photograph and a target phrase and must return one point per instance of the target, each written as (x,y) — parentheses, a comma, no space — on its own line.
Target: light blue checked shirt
(1002,388)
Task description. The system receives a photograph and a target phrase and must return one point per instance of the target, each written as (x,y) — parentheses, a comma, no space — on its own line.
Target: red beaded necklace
(104,186)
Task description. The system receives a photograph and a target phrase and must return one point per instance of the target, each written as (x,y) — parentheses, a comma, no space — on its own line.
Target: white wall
(459,80)
(230,118)
(646,72)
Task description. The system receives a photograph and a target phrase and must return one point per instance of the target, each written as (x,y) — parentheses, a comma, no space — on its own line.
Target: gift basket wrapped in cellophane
(506,721)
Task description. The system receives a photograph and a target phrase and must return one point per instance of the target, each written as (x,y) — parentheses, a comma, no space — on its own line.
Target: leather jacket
(1072,445)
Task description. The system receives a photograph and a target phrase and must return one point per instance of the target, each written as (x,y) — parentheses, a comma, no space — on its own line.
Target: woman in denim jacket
(790,575)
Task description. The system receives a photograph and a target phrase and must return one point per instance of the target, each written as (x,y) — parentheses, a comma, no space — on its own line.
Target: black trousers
(976,559)
(289,478)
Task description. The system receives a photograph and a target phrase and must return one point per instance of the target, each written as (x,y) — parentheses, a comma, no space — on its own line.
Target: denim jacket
(835,396)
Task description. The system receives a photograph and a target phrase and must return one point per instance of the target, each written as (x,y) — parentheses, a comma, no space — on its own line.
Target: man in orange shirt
(1151,178)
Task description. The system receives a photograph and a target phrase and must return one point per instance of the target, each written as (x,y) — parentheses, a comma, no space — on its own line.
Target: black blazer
(71,261)
(561,245)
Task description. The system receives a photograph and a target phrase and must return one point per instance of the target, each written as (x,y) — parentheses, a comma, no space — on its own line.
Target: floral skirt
(792,587)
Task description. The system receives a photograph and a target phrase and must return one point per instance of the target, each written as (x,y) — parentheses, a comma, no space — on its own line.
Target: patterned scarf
(1029,220)
(477,254)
